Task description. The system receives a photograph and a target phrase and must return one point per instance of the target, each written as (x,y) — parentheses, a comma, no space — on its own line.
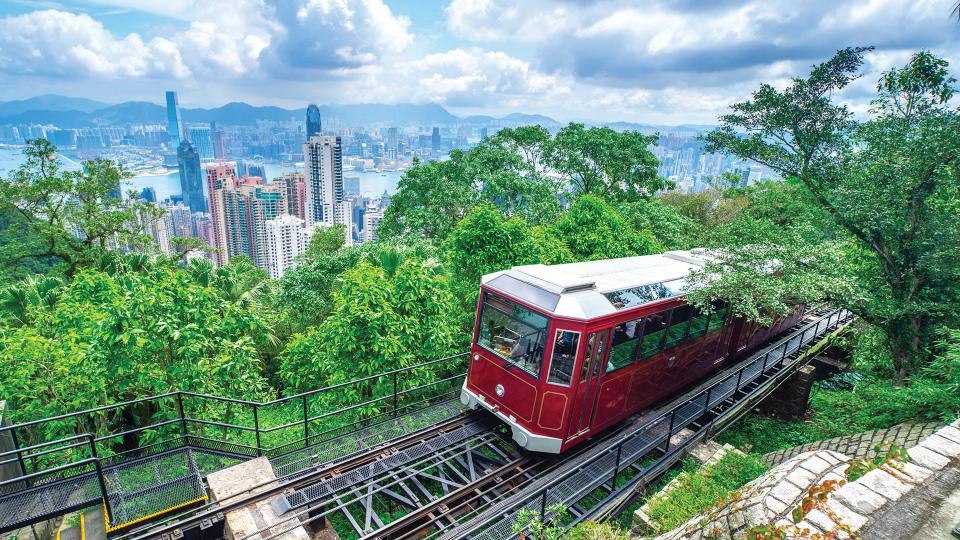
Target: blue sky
(657,61)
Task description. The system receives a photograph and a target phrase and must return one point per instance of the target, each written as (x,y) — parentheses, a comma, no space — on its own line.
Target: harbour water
(372,184)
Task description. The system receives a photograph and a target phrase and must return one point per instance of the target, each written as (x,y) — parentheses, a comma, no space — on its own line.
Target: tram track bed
(465,478)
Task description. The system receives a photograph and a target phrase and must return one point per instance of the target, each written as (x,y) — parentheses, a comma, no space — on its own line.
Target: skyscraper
(174,125)
(191,177)
(313,121)
(392,142)
(202,141)
(435,140)
(323,160)
(149,195)
(219,141)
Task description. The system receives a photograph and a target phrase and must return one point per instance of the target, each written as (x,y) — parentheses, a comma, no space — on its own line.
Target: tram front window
(512,332)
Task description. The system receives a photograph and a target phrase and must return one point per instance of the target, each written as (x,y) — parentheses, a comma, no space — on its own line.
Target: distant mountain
(49,102)
(139,112)
(68,112)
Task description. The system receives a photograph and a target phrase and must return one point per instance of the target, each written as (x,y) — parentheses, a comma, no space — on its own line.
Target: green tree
(392,313)
(890,184)
(110,337)
(326,241)
(485,242)
(67,216)
(616,165)
(531,142)
(670,227)
(592,230)
(431,197)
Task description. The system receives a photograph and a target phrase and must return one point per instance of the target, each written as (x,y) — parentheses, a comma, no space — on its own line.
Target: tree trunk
(903,336)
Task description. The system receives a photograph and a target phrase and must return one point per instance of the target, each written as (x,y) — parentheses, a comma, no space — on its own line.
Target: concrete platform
(258,516)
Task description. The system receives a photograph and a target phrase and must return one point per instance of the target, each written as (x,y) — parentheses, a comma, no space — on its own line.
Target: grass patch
(701,489)
(841,406)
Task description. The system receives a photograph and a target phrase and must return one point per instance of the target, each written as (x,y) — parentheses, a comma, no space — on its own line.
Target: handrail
(181,416)
(616,444)
(226,399)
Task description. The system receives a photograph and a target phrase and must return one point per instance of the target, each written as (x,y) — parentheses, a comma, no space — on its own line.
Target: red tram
(562,352)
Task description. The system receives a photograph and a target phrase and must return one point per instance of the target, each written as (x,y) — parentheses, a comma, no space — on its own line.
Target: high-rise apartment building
(323,160)
(243,206)
(181,220)
(313,121)
(295,190)
(174,125)
(372,218)
(202,141)
(191,177)
(287,237)
(215,176)
(251,167)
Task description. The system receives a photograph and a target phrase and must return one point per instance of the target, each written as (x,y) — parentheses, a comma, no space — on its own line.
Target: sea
(372,183)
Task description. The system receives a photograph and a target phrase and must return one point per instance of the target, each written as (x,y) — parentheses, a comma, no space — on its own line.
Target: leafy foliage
(389,314)
(67,216)
(700,488)
(531,526)
(890,184)
(616,165)
(594,230)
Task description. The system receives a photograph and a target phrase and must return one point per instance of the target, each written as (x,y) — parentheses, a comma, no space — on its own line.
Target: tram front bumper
(523,437)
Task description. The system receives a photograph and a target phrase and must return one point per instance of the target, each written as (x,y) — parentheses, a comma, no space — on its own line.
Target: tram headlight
(499,390)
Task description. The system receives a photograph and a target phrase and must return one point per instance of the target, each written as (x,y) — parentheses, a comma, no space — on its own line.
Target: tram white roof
(587,290)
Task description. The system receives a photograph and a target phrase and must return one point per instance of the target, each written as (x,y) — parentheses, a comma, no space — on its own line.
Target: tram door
(581,414)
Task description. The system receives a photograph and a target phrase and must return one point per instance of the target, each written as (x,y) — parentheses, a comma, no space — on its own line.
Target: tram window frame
(687,310)
(693,334)
(642,353)
(533,368)
(720,311)
(630,357)
(572,360)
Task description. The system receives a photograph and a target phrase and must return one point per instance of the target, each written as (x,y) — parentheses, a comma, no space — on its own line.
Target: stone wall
(863,444)
(843,512)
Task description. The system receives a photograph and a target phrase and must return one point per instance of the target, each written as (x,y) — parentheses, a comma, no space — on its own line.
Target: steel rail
(252,494)
(427,463)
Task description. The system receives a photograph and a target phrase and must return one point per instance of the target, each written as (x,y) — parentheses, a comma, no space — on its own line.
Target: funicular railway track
(463,478)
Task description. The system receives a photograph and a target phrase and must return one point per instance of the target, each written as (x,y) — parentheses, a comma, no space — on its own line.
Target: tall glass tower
(191,177)
(313,121)
(174,125)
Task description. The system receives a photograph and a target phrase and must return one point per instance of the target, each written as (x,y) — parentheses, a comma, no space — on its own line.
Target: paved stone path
(861,445)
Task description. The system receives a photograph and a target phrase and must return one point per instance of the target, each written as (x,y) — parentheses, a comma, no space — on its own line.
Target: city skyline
(650,62)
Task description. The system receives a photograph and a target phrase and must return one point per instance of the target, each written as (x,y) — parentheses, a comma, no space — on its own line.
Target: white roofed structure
(587,290)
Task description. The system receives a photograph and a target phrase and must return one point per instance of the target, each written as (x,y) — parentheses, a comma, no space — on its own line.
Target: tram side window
(564,354)
(625,336)
(719,315)
(679,322)
(698,323)
(513,332)
(654,327)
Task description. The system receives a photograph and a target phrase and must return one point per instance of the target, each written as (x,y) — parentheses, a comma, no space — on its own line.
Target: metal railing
(626,451)
(212,424)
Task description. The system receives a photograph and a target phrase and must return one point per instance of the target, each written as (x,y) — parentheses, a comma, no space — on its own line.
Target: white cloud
(329,35)
(58,44)
(502,20)
(224,39)
(474,76)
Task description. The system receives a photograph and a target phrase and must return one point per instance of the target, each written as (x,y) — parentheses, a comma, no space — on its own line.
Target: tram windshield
(512,332)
